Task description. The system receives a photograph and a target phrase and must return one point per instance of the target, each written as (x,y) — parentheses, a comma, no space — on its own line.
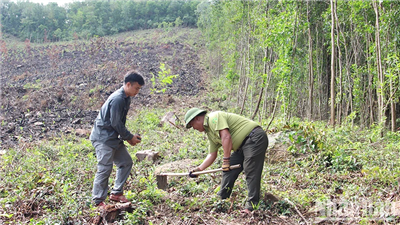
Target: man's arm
(207,161)
(116,109)
(226,140)
(135,139)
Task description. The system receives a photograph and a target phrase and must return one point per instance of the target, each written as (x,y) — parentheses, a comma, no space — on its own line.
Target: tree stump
(110,213)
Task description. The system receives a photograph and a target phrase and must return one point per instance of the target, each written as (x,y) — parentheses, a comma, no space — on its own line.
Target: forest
(321,60)
(320,77)
(86,19)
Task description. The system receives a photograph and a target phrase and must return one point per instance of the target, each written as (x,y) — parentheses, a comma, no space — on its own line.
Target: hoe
(162,182)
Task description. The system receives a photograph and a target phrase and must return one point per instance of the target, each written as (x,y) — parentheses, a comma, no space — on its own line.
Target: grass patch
(52,181)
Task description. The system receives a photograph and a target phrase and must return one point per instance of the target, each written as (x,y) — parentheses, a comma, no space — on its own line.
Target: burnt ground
(58,88)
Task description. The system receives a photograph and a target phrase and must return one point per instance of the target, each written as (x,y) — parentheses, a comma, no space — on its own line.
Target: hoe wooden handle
(199,172)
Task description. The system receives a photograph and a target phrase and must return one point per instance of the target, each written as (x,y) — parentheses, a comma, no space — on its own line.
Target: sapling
(163,79)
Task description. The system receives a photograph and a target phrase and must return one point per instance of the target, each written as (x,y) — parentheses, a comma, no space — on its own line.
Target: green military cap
(191,114)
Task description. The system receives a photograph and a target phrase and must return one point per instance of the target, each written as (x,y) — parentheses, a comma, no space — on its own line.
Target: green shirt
(239,127)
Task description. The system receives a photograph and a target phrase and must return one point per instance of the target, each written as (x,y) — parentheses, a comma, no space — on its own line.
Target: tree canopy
(51,22)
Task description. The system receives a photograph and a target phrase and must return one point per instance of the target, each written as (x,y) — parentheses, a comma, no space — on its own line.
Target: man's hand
(226,164)
(135,140)
(192,171)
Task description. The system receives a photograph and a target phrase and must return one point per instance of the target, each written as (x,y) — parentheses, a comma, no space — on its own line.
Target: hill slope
(55,88)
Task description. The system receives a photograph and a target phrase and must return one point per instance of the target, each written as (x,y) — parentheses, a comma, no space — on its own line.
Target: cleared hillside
(56,88)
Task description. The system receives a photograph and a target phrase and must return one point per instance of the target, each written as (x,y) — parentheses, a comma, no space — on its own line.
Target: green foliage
(151,193)
(304,138)
(220,206)
(139,214)
(42,23)
(95,89)
(271,44)
(60,172)
(162,80)
(36,85)
(146,120)
(341,160)
(283,208)
(46,172)
(165,25)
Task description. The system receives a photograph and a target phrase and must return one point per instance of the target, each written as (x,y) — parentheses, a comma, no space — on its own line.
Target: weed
(151,192)
(138,216)
(283,208)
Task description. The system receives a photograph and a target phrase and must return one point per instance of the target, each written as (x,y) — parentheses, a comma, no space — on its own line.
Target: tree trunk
(310,68)
(333,59)
(381,79)
(244,94)
(262,87)
(370,90)
(392,108)
(290,110)
(247,73)
(340,95)
(319,75)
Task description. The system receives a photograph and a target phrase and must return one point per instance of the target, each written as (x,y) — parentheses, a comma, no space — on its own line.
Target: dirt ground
(49,90)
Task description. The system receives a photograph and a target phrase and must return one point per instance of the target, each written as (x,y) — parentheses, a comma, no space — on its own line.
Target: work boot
(118,198)
(246,212)
(101,205)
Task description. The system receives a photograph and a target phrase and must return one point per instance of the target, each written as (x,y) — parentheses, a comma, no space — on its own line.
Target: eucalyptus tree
(335,58)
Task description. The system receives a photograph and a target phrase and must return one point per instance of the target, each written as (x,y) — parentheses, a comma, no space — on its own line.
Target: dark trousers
(251,157)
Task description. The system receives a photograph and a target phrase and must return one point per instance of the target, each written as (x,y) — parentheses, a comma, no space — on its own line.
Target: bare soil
(49,90)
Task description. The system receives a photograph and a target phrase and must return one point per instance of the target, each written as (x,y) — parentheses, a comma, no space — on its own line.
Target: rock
(395,210)
(82,132)
(32,120)
(272,139)
(77,121)
(11,129)
(39,124)
(277,148)
(168,118)
(147,154)
(270,199)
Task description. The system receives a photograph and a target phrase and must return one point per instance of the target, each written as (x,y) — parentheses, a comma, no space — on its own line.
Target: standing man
(244,142)
(108,136)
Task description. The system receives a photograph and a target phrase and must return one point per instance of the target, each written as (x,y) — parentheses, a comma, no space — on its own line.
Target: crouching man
(243,142)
